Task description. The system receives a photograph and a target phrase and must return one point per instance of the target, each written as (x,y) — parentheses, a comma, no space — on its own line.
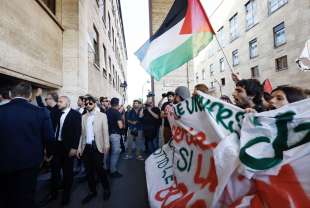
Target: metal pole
(151,33)
(142,93)
(231,69)
(153,88)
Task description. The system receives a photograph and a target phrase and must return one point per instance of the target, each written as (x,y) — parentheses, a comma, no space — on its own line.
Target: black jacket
(24,131)
(71,129)
(54,111)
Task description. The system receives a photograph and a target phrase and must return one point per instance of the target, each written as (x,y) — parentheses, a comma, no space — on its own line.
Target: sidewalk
(128,191)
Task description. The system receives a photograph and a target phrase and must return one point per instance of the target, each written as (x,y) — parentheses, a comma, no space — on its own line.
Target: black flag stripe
(175,15)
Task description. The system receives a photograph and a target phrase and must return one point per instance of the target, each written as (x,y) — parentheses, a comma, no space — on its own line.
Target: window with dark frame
(104,6)
(274,5)
(113,38)
(255,72)
(250,14)
(104,73)
(212,85)
(110,78)
(223,82)
(110,26)
(281,63)
(279,35)
(118,83)
(105,61)
(203,74)
(233,25)
(110,65)
(222,67)
(116,80)
(211,70)
(96,47)
(235,57)
(221,38)
(253,48)
(51,4)
(113,78)
(105,55)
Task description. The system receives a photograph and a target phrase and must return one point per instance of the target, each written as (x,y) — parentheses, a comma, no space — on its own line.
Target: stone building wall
(55,51)
(30,43)
(296,17)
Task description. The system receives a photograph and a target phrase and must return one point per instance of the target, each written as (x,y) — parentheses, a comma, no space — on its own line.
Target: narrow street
(129,191)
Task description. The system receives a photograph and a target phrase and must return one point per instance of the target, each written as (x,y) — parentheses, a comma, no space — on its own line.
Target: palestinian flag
(183,34)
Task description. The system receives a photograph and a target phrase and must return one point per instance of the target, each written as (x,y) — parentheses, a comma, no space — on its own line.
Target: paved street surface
(130,191)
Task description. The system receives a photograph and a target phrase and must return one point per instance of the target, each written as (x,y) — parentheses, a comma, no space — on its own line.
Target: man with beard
(167,130)
(248,95)
(68,132)
(94,144)
(150,117)
(135,133)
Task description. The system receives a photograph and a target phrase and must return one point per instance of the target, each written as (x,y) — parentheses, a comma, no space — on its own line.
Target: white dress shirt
(90,137)
(81,110)
(5,101)
(62,120)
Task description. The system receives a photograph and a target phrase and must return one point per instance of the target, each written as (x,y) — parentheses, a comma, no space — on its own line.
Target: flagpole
(230,67)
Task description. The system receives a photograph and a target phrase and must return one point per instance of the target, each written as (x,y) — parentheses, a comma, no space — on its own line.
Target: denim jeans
(115,141)
(151,137)
(138,140)
(152,145)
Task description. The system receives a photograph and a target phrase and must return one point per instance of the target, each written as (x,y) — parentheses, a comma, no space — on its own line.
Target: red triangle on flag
(196,19)
(267,86)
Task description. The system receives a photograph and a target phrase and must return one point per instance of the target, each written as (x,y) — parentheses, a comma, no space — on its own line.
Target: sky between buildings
(136,24)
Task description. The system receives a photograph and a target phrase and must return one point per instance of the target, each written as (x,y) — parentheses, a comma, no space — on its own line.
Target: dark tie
(58,126)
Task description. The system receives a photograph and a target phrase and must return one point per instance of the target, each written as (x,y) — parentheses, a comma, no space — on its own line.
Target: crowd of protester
(89,140)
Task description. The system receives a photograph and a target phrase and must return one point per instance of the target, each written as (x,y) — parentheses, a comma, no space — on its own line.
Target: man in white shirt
(93,145)
(67,134)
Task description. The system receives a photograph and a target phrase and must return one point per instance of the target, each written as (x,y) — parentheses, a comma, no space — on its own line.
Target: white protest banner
(209,137)
(202,122)
(159,173)
(275,153)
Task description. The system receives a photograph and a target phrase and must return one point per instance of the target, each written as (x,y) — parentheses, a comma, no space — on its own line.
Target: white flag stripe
(164,44)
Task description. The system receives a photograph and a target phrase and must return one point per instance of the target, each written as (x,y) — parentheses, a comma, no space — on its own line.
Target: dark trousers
(62,161)
(150,134)
(94,165)
(17,189)
(167,134)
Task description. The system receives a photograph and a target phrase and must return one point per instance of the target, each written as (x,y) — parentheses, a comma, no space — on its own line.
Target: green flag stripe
(179,56)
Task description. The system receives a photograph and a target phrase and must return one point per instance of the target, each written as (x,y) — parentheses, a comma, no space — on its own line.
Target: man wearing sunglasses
(94,144)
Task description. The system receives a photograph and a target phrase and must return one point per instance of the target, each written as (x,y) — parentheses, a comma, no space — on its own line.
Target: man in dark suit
(25,130)
(68,132)
(51,101)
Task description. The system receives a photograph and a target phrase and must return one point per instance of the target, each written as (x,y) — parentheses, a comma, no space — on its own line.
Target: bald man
(67,134)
